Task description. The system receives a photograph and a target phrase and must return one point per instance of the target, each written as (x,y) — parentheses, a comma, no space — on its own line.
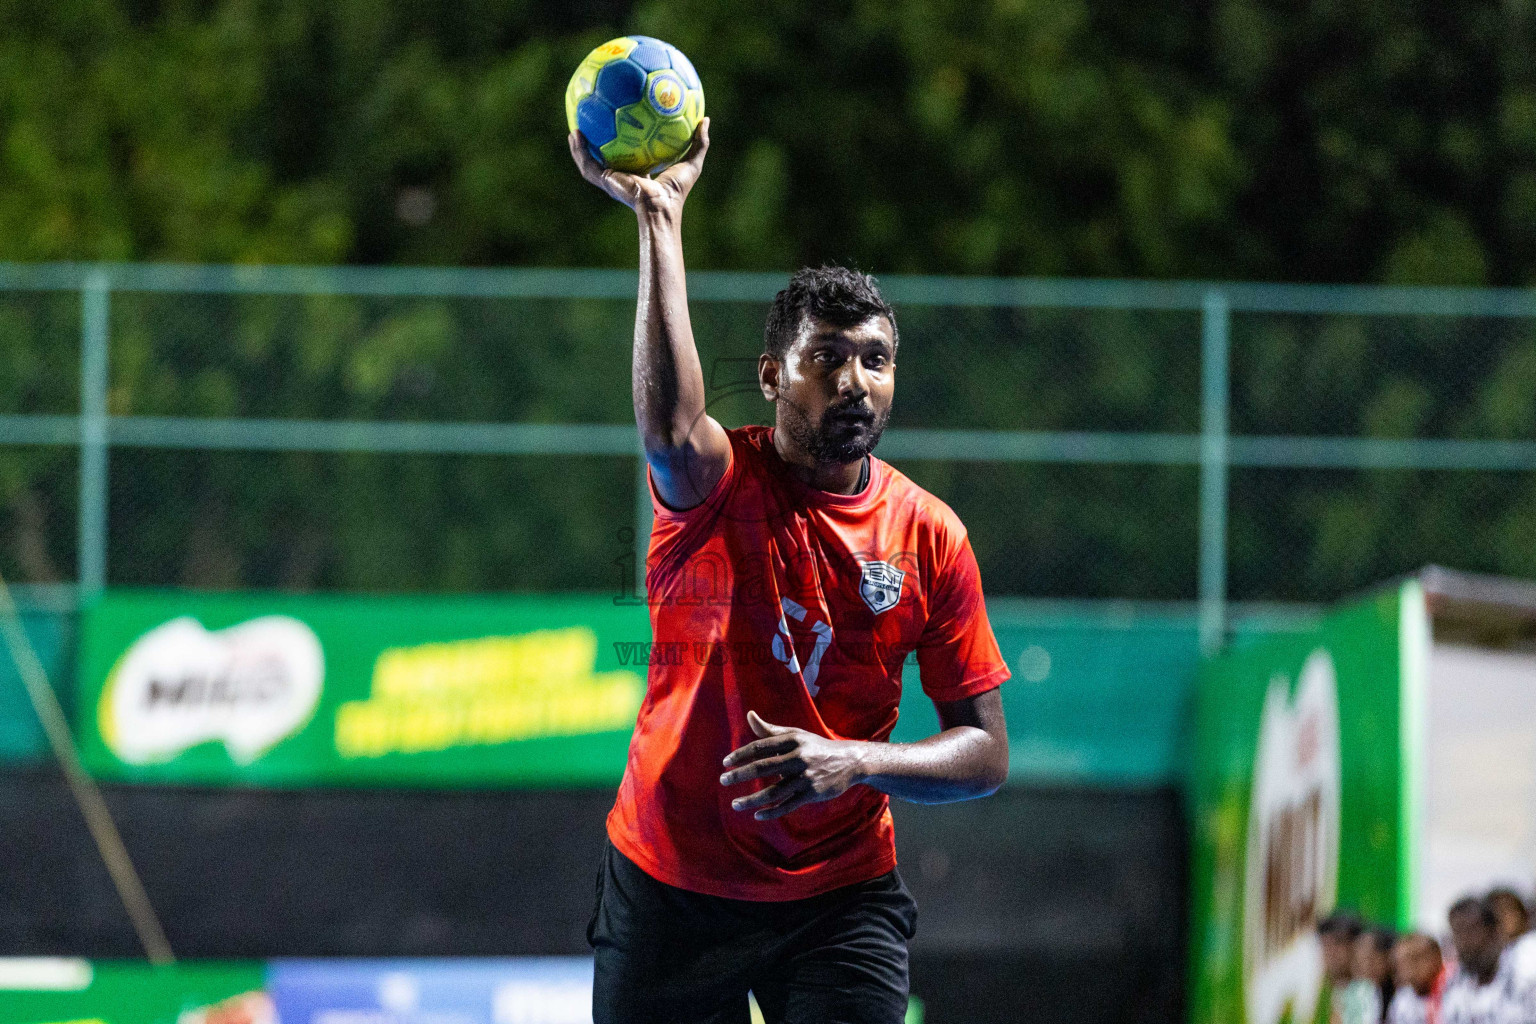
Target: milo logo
(179,685)
(1293,844)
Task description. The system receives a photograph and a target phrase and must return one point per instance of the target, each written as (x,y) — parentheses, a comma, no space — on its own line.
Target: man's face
(1338,952)
(1477,944)
(1416,965)
(1512,915)
(1369,961)
(834,387)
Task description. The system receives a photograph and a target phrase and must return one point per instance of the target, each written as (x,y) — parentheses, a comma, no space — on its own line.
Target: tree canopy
(1319,142)
(1236,139)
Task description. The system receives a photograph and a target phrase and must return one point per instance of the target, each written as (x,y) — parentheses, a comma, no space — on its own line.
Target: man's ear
(768,376)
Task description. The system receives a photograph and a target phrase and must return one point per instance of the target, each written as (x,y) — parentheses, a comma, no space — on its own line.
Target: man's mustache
(856,410)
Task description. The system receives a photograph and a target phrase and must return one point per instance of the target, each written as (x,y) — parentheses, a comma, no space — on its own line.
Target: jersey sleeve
(722,487)
(957,655)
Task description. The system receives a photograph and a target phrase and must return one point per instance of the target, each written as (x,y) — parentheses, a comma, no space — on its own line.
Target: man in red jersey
(751,846)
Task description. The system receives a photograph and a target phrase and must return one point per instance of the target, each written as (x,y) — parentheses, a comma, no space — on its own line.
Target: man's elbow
(997,768)
(989,785)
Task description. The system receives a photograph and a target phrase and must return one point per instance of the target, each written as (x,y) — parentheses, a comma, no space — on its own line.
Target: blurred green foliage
(1227,139)
(1316,141)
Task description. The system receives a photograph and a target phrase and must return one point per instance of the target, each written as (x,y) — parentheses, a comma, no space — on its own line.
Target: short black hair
(1504,894)
(1382,939)
(1474,905)
(840,296)
(1343,925)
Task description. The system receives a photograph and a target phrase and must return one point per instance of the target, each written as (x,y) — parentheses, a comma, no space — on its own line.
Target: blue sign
(523,990)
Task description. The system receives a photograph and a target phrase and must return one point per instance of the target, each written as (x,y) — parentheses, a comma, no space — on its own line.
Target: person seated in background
(1478,993)
(1519,966)
(1421,974)
(1514,916)
(1368,995)
(1337,933)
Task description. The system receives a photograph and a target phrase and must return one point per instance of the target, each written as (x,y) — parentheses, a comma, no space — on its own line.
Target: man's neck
(845,478)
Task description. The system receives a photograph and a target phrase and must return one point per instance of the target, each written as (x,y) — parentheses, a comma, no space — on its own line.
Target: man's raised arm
(687,449)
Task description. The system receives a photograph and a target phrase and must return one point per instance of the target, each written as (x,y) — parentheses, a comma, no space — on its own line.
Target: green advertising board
(273,690)
(1304,750)
(336,690)
(59,991)
(1097,697)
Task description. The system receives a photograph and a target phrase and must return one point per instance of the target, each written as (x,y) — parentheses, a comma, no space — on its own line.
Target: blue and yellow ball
(637,100)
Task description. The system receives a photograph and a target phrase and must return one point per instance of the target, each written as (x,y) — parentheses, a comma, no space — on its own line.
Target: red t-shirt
(801,605)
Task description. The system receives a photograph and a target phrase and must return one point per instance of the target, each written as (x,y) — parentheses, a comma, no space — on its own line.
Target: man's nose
(853,380)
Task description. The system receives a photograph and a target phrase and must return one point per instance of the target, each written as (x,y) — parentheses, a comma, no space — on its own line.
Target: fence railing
(1213,449)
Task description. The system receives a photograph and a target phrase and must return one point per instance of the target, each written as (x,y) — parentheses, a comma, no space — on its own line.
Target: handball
(637,101)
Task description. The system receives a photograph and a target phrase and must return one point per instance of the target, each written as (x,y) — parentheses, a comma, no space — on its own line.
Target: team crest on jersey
(880,586)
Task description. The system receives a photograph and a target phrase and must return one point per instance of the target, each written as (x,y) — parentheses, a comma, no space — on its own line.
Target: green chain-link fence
(398,429)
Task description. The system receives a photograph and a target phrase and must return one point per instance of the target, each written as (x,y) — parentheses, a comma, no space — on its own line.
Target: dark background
(1051,904)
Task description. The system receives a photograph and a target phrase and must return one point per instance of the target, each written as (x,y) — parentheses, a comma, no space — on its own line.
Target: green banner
(53,991)
(1296,807)
(318,690)
(273,690)
(1097,697)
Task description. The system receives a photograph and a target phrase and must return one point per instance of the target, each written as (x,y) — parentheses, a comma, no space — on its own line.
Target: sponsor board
(1292,852)
(506,990)
(1296,804)
(44,990)
(513,990)
(273,690)
(522,990)
(318,690)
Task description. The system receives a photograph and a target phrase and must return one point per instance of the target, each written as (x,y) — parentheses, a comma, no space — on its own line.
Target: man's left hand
(810,768)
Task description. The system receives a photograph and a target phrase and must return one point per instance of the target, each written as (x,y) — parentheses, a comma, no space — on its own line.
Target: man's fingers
(618,185)
(772,796)
(759,749)
(798,800)
(763,728)
(700,146)
(630,189)
(784,764)
(686,171)
(590,169)
(584,162)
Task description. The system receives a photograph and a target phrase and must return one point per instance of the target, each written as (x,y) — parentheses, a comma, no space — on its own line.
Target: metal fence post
(1215,345)
(95,309)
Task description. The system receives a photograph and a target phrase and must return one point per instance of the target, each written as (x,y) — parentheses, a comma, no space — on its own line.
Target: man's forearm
(687,452)
(956,764)
(668,379)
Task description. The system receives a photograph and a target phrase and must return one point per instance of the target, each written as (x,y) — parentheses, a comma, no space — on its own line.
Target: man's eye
(826,355)
(878,359)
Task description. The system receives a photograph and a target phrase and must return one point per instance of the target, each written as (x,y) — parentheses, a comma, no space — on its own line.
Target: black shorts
(670,956)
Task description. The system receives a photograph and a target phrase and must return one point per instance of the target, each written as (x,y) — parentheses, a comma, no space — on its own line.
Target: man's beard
(836,439)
